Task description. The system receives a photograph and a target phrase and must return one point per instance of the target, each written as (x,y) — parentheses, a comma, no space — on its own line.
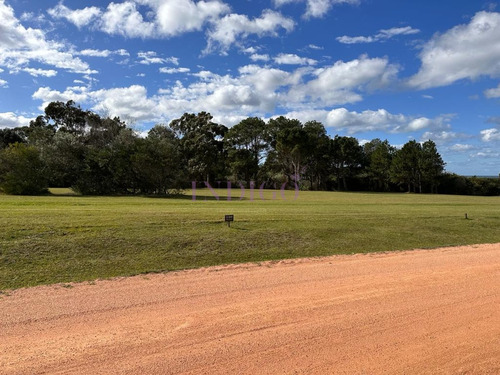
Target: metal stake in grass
(466,218)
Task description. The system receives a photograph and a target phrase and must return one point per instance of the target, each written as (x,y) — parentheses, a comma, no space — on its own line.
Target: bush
(22,171)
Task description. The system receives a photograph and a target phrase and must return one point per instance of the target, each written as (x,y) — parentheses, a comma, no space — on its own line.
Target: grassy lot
(64,238)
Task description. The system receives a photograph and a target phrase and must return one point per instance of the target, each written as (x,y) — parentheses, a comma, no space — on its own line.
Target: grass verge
(63,238)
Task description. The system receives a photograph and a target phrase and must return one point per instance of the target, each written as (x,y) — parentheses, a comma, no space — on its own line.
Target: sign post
(228,219)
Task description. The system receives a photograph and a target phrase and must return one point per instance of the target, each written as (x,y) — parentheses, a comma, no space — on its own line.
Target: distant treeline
(72,147)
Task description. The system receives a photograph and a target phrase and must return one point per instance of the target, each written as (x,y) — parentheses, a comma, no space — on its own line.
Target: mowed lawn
(58,239)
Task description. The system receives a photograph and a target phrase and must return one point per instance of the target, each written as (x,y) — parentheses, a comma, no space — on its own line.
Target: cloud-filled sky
(391,69)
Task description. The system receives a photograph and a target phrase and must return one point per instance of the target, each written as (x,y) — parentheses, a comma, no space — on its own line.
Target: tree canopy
(68,146)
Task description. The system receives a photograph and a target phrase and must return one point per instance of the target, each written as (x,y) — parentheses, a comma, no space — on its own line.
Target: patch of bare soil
(427,311)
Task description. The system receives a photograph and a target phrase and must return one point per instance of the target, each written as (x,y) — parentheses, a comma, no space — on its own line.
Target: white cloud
(79,18)
(444,136)
(251,91)
(463,52)
(124,19)
(4,83)
(168,18)
(174,70)
(165,18)
(342,82)
(122,52)
(258,57)
(316,8)
(395,31)
(19,46)
(427,97)
(292,59)
(493,93)
(460,147)
(234,26)
(490,135)
(95,52)
(382,35)
(174,17)
(103,53)
(151,57)
(313,46)
(40,72)
(129,103)
(487,153)
(380,120)
(78,94)
(11,120)
(355,39)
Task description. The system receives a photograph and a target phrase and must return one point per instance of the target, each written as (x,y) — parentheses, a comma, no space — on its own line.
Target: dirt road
(426,311)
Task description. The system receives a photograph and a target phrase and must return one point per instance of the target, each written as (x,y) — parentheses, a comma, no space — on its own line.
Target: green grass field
(62,238)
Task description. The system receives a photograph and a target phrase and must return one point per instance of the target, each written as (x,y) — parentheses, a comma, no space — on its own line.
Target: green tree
(379,156)
(317,159)
(66,116)
(289,141)
(202,145)
(156,162)
(405,167)
(246,143)
(10,136)
(432,165)
(22,171)
(64,157)
(346,158)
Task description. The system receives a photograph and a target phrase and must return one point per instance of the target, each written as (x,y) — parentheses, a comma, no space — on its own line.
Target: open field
(417,312)
(58,239)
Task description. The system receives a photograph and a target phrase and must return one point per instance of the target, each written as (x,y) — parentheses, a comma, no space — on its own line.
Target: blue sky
(391,69)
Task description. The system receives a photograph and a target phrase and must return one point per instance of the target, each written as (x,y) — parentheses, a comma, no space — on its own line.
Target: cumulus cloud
(259,57)
(40,72)
(463,52)
(342,82)
(490,135)
(11,120)
(78,94)
(382,35)
(233,26)
(380,120)
(168,18)
(174,17)
(251,91)
(165,18)
(316,8)
(3,83)
(124,19)
(129,103)
(444,136)
(79,18)
(19,46)
(292,59)
(493,93)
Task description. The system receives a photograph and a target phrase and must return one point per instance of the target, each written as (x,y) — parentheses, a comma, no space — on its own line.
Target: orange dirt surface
(423,311)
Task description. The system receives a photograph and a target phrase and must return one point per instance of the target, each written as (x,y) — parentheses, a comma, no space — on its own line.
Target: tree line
(71,147)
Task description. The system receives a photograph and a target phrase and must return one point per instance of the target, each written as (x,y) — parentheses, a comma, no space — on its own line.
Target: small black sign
(229,218)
